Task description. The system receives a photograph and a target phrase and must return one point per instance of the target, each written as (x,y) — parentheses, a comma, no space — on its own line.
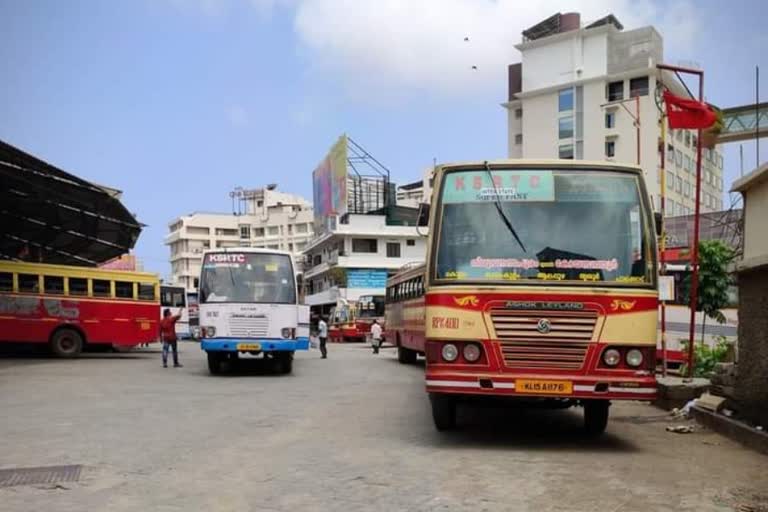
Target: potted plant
(710,135)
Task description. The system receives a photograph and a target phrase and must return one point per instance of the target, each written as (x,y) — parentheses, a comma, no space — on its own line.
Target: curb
(751,438)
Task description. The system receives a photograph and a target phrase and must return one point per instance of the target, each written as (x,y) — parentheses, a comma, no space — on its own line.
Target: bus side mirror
(423,218)
(659,223)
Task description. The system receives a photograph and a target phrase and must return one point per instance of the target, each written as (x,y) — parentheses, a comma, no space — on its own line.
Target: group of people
(322,334)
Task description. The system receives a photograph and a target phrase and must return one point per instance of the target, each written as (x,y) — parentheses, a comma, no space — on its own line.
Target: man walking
(168,337)
(375,336)
(322,333)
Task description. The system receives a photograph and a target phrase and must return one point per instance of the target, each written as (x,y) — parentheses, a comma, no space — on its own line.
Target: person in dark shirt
(168,337)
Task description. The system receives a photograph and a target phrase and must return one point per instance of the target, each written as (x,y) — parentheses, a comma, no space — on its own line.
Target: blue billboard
(366,278)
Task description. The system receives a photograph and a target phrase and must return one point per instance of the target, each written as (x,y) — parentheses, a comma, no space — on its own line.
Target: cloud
(387,47)
(237,115)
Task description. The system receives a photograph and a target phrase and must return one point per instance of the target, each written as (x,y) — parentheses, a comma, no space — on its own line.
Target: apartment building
(262,217)
(592,92)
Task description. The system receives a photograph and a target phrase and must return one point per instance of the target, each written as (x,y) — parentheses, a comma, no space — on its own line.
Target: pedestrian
(375,336)
(322,333)
(168,337)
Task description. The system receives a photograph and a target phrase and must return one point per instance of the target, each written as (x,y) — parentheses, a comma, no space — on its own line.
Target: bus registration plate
(248,347)
(550,387)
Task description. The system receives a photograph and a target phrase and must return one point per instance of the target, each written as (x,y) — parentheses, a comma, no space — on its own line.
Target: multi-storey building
(592,92)
(263,218)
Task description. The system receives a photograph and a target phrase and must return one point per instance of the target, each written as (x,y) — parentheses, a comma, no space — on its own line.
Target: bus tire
(66,343)
(214,363)
(284,363)
(406,355)
(443,412)
(595,416)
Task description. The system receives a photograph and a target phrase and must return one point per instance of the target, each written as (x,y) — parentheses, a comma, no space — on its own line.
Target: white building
(417,192)
(357,256)
(265,218)
(577,94)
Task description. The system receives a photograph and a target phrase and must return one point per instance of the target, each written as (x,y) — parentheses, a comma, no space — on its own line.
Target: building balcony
(329,296)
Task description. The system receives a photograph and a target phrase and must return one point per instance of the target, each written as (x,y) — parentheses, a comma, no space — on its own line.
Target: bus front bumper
(253,345)
(525,386)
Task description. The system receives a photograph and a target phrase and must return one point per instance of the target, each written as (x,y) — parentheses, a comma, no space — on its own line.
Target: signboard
(366,278)
(666,288)
(511,185)
(329,186)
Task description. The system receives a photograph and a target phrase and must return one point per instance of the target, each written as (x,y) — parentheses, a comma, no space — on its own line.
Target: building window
(687,165)
(720,161)
(638,87)
(610,119)
(518,113)
(670,153)
(301,228)
(687,189)
(687,136)
(670,180)
(410,243)
(565,100)
(518,138)
(679,135)
(615,91)
(259,204)
(367,245)
(671,210)
(274,247)
(273,230)
(610,148)
(679,187)
(566,152)
(565,127)
(245,232)
(694,140)
(678,158)
(393,250)
(258,232)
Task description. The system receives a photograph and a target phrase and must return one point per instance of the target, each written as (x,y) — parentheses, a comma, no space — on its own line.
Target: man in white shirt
(375,336)
(322,333)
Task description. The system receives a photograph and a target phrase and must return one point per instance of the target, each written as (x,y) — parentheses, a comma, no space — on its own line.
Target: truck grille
(563,347)
(248,326)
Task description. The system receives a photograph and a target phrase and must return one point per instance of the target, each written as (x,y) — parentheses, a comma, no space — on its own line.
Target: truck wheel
(406,355)
(443,412)
(66,343)
(214,363)
(596,416)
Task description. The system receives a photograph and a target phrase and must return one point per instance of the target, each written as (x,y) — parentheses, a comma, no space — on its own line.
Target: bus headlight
(611,357)
(634,358)
(471,352)
(450,352)
(286,332)
(209,331)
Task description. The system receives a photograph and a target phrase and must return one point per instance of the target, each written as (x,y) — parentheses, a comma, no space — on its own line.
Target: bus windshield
(247,278)
(575,225)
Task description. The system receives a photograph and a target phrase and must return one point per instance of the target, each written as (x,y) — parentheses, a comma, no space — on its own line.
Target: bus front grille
(544,339)
(248,327)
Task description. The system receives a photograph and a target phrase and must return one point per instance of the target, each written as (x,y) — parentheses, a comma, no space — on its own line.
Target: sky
(176,102)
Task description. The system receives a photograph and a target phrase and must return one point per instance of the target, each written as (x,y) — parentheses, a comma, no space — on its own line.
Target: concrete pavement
(352,432)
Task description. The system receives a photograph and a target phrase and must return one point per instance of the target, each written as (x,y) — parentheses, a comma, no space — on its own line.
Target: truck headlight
(611,357)
(634,358)
(450,352)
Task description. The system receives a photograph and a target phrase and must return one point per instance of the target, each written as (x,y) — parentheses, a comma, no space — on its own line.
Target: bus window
(101,288)
(29,283)
(123,290)
(78,286)
(6,282)
(146,291)
(53,285)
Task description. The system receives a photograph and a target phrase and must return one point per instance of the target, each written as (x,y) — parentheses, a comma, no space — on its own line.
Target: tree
(714,259)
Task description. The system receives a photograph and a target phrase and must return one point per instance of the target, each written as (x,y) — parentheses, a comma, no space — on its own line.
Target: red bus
(540,286)
(352,322)
(404,312)
(69,308)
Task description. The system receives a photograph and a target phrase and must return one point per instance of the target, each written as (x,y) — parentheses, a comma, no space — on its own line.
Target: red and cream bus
(352,321)
(540,285)
(69,307)
(404,312)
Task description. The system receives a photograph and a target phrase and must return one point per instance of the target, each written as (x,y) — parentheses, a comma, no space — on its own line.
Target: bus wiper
(500,209)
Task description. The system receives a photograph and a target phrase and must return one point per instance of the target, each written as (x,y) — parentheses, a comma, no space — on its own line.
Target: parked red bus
(540,285)
(404,312)
(352,322)
(69,307)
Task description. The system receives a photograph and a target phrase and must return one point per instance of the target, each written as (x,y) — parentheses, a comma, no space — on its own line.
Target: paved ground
(349,433)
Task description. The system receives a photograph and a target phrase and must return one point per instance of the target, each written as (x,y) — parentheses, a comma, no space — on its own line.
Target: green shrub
(706,357)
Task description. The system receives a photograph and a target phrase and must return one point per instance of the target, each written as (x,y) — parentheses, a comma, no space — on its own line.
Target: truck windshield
(584,226)
(247,278)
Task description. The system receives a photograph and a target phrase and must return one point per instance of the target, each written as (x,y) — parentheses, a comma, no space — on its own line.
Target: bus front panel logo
(544,326)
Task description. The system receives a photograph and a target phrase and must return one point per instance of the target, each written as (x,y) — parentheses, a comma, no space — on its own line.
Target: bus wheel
(284,363)
(66,343)
(214,363)
(595,416)
(405,355)
(443,412)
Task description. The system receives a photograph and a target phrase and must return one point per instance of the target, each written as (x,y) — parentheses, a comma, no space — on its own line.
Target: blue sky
(176,102)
